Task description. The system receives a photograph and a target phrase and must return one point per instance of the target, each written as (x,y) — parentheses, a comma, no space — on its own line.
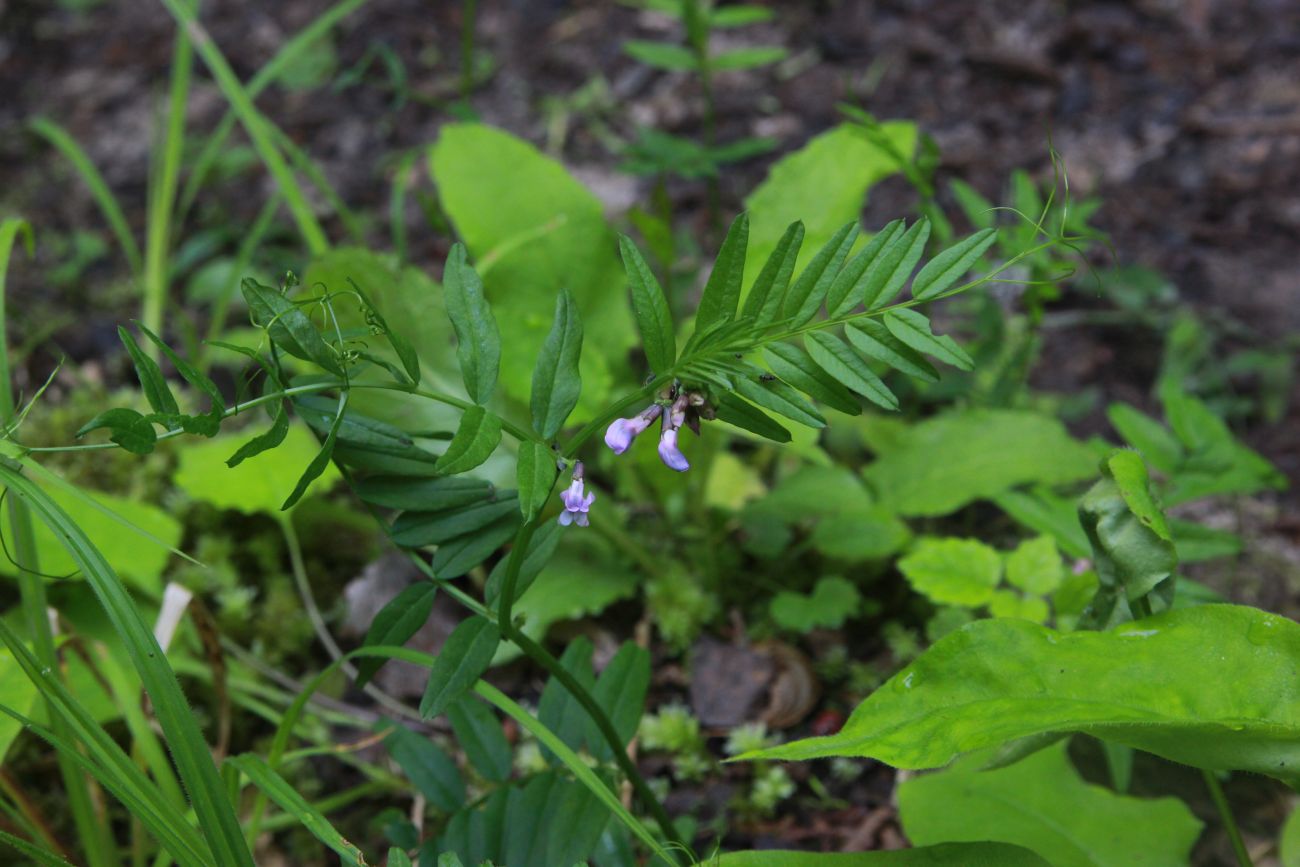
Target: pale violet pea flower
(576,501)
(619,435)
(669,453)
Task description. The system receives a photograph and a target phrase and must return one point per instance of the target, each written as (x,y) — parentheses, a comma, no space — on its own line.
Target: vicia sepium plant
(782,343)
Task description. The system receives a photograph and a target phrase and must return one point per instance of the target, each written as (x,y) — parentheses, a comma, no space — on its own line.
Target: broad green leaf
(953,571)
(722,291)
(476,439)
(155,387)
(397,858)
(661,55)
(846,292)
(832,601)
(1035,566)
(290,328)
(746,416)
(805,297)
(873,339)
(1289,845)
(768,292)
(947,461)
(126,427)
(1158,446)
(746,58)
(653,318)
(946,855)
(848,368)
(556,380)
(1211,686)
(793,364)
(466,654)
(536,471)
(1045,512)
(1042,804)
(824,184)
(781,399)
(417,529)
(287,798)
(396,622)
(478,342)
(948,267)
(914,329)
(857,536)
(258,485)
(479,734)
(426,765)
(1008,603)
(621,690)
(433,495)
(890,270)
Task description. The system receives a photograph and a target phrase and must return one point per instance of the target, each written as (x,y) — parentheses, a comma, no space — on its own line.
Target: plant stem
(469,17)
(1229,823)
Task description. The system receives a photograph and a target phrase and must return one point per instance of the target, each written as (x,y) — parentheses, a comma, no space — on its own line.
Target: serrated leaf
(321,461)
(536,472)
(126,427)
(404,492)
(479,734)
(661,55)
(395,623)
(620,690)
(556,381)
(478,342)
(290,328)
(1035,566)
(417,529)
(476,439)
(768,292)
(848,368)
(653,318)
(914,329)
(722,291)
(781,399)
(850,284)
(206,425)
(875,340)
(150,375)
(733,410)
(948,267)
(792,364)
(466,654)
(832,601)
(806,295)
(426,765)
(953,571)
(887,274)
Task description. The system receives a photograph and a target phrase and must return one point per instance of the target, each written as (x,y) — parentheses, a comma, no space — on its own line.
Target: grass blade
(267,780)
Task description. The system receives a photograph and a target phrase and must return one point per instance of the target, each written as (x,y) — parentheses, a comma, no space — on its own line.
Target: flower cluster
(576,501)
(685,408)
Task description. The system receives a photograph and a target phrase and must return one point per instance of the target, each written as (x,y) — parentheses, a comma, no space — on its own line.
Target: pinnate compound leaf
(792,364)
(890,270)
(945,855)
(536,471)
(556,381)
(848,368)
(653,318)
(150,375)
(850,284)
(722,291)
(466,654)
(1041,803)
(126,427)
(948,267)
(953,571)
(1211,686)
(475,440)
(478,342)
(809,290)
(768,292)
(395,623)
(290,328)
(914,329)
(873,339)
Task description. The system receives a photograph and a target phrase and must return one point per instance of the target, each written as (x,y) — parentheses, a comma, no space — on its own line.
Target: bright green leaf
(478,342)
(953,571)
(465,655)
(475,440)
(556,380)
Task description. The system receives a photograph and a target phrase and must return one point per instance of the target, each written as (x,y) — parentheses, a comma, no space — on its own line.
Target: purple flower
(669,453)
(619,435)
(576,500)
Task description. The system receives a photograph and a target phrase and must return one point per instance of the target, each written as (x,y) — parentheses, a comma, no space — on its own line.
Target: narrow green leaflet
(1143,684)
(206,425)
(746,416)
(722,291)
(914,329)
(661,55)
(848,368)
(556,382)
(1041,803)
(1158,446)
(322,459)
(620,690)
(404,492)
(290,328)
(395,623)
(126,427)
(402,347)
(417,529)
(653,318)
(806,295)
(466,655)
(458,556)
(768,292)
(478,342)
(150,375)
(948,267)
(846,292)
(540,550)
(887,274)
(287,798)
(946,855)
(426,765)
(781,399)
(792,364)
(875,340)
(557,709)
(475,440)
(747,58)
(536,471)
(480,735)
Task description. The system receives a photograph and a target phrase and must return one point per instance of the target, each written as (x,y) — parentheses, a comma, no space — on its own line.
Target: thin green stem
(469,18)
(1229,822)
